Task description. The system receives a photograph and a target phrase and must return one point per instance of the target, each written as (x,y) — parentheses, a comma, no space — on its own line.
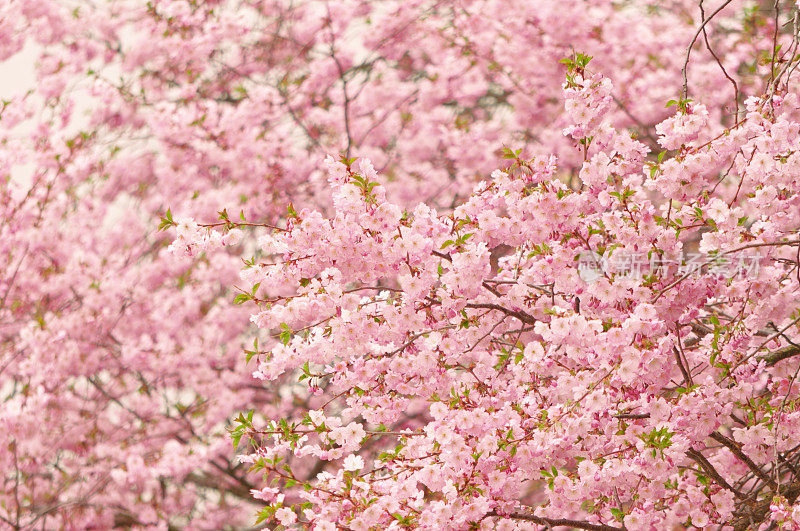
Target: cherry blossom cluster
(412,312)
(460,372)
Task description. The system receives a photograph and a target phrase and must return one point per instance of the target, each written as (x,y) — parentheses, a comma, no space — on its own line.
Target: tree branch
(551,522)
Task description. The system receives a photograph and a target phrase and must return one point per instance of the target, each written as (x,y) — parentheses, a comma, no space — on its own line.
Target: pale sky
(16,74)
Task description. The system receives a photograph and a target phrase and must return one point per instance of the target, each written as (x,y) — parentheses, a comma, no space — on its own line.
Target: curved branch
(781,354)
(748,516)
(551,522)
(709,469)
(522,316)
(735,450)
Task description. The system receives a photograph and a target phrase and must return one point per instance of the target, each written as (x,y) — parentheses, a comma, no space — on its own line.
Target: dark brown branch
(710,471)
(735,450)
(631,416)
(749,516)
(522,316)
(719,62)
(687,378)
(685,91)
(781,354)
(552,522)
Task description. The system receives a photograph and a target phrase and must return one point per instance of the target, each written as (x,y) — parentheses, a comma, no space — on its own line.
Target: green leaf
(264,514)
(306,372)
(347,162)
(166,221)
(463,239)
(286,334)
(508,153)
(682,103)
(249,354)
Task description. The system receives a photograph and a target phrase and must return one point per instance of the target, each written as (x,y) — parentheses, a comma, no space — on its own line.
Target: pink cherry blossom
(505,267)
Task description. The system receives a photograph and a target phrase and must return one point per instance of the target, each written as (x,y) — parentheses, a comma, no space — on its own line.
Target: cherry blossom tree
(429,351)
(607,347)
(452,386)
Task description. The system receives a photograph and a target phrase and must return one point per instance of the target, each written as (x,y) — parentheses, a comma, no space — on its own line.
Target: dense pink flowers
(488,283)
(491,384)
